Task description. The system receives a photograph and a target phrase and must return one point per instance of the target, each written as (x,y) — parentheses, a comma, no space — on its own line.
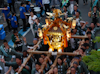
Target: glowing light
(51,49)
(73,24)
(47,22)
(40,33)
(59,50)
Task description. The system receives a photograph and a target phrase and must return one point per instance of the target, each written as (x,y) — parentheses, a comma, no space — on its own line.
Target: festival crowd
(65,64)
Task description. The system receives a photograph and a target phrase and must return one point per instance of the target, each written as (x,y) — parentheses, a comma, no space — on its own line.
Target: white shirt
(45,1)
(31,19)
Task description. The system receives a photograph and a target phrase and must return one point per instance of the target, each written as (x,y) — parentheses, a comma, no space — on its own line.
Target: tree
(93,61)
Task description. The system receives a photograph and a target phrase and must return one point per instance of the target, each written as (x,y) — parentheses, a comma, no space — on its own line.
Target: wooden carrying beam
(28,57)
(79,37)
(45,61)
(53,53)
(54,64)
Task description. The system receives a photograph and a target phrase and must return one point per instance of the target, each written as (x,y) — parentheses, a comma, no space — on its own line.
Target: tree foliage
(97,39)
(93,61)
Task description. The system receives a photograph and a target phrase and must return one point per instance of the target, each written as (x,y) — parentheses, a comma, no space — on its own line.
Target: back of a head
(5,5)
(86,39)
(4,41)
(38,63)
(88,33)
(22,4)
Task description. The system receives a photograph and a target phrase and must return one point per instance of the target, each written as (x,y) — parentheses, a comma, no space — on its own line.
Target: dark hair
(78,12)
(83,49)
(4,41)
(13,13)
(27,2)
(65,6)
(41,57)
(5,5)
(25,51)
(88,32)
(38,63)
(19,57)
(75,63)
(95,6)
(86,39)
(22,4)
(86,44)
(43,54)
(52,7)
(38,19)
(73,67)
(89,28)
(72,31)
(15,31)
(60,58)
(76,5)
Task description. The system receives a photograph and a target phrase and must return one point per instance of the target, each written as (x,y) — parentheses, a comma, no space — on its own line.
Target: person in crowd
(87,48)
(78,70)
(39,4)
(56,3)
(62,65)
(77,2)
(37,26)
(95,15)
(46,5)
(94,3)
(16,65)
(55,70)
(65,3)
(76,10)
(86,40)
(37,69)
(83,27)
(92,44)
(17,40)
(6,14)
(23,16)
(13,20)
(94,29)
(73,70)
(83,65)
(49,60)
(67,12)
(7,56)
(85,2)
(31,21)
(41,60)
(11,4)
(28,7)
(31,45)
(78,18)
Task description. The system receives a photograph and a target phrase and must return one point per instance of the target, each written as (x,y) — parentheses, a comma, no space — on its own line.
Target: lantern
(47,22)
(73,24)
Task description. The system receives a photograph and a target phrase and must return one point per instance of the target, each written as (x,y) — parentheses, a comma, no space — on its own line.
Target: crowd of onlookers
(65,64)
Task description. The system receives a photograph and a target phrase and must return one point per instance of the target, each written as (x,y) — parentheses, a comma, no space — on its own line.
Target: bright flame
(73,24)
